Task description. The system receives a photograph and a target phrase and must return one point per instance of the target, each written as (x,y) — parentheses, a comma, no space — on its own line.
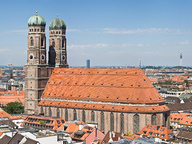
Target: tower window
(59,32)
(38,30)
(30,30)
(31,39)
(53,43)
(35,30)
(56,32)
(63,43)
(42,42)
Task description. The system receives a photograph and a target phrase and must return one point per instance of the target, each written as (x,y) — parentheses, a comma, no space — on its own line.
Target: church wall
(147,119)
(144,119)
(106,121)
(126,125)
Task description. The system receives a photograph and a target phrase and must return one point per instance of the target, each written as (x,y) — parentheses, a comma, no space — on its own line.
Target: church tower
(36,68)
(57,44)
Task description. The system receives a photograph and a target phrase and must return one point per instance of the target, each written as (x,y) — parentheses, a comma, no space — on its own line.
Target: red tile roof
(4,114)
(134,137)
(49,122)
(156,131)
(111,85)
(12,96)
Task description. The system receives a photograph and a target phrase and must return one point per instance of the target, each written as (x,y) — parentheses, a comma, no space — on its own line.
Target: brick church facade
(121,100)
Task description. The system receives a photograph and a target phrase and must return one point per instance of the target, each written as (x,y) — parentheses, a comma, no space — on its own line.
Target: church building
(121,100)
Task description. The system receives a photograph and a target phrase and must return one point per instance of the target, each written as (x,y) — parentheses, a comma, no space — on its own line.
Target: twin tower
(37,69)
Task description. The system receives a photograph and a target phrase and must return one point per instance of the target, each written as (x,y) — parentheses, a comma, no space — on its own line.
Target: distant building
(88,64)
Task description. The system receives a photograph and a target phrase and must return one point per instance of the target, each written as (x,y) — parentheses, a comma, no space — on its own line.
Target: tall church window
(50,112)
(122,123)
(83,115)
(111,121)
(153,119)
(92,116)
(135,123)
(31,41)
(66,114)
(58,112)
(74,114)
(102,121)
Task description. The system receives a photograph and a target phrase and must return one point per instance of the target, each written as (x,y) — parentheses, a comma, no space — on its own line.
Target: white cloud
(13,32)
(88,46)
(73,30)
(186,42)
(136,31)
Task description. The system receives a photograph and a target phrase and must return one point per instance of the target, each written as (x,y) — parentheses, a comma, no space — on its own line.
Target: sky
(108,32)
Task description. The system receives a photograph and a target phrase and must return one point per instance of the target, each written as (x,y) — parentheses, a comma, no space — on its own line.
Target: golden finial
(36,12)
(57,15)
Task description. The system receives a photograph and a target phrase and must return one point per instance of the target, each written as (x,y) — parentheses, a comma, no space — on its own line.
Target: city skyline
(106,32)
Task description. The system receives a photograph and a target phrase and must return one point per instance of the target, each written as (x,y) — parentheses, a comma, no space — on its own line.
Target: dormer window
(162,135)
(150,133)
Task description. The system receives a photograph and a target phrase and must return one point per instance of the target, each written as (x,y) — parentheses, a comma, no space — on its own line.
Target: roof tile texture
(111,85)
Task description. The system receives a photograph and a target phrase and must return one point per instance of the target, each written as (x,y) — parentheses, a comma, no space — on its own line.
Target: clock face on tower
(63,57)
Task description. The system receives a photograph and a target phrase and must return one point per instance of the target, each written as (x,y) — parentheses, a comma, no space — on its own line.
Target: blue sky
(108,32)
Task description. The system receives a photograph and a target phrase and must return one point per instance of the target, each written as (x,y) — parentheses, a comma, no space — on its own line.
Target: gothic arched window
(111,121)
(92,116)
(58,112)
(66,114)
(74,114)
(50,112)
(102,121)
(122,123)
(153,119)
(31,41)
(136,123)
(83,116)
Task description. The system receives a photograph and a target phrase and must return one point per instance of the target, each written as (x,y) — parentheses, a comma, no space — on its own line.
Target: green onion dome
(57,24)
(36,20)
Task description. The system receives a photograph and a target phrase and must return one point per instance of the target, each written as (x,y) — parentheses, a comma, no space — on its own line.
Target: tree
(14,108)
